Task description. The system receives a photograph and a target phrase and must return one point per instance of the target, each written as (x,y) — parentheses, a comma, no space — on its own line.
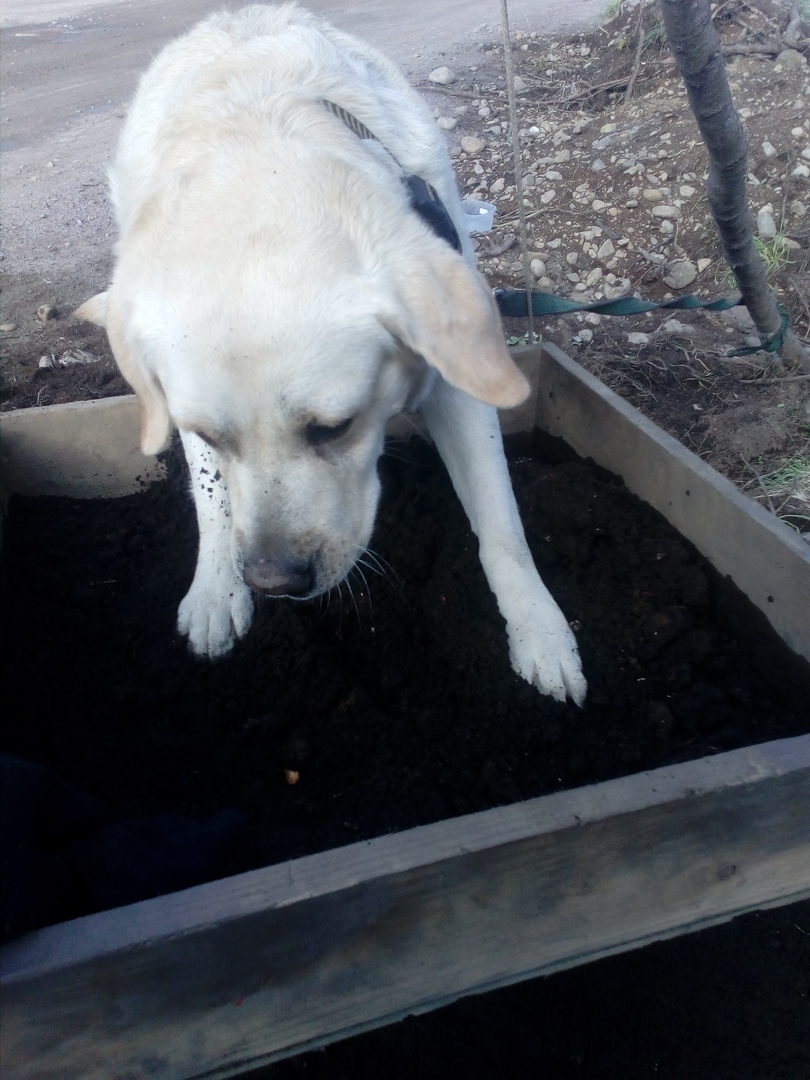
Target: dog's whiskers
(380,566)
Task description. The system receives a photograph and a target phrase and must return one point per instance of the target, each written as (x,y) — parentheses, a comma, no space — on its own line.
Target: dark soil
(397,707)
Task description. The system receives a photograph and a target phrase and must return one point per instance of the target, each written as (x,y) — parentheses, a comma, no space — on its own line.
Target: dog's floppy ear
(156,424)
(446,313)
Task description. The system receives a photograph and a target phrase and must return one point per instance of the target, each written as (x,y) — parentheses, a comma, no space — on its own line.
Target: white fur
(273,281)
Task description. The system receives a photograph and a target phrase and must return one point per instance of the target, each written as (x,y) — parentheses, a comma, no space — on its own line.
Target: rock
(497,185)
(768,149)
(538,268)
(594,276)
(447,123)
(47,361)
(606,250)
(797,132)
(766,226)
(598,165)
(798,209)
(552,174)
(687,191)
(738,318)
(652,195)
(638,339)
(801,170)
(442,75)
(585,336)
(806,153)
(572,258)
(674,326)
(46,312)
(680,274)
(598,205)
(703,264)
(519,84)
(631,204)
(790,58)
(7,327)
(548,196)
(664,211)
(471,144)
(485,111)
(617,291)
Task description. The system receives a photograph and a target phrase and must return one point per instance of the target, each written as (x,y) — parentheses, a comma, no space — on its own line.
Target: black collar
(423,197)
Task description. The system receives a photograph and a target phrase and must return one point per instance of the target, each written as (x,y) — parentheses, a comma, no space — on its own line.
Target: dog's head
(289,365)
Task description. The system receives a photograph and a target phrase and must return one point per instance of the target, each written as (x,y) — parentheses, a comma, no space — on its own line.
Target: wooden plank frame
(216,980)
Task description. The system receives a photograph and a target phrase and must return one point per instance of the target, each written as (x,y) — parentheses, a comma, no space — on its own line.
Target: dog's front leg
(218,607)
(542,647)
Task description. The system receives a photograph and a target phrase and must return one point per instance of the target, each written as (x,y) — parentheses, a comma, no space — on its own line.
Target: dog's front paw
(543,650)
(216,610)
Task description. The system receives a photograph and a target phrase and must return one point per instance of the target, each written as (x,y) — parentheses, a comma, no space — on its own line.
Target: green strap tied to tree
(512,304)
(772,345)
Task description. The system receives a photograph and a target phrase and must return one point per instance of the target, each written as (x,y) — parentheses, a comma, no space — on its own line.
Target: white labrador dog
(277,297)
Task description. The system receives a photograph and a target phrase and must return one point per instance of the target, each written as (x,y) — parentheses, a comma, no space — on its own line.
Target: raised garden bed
(401,713)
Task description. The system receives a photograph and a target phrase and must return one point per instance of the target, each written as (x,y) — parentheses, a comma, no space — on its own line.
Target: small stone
(606,250)
(598,205)
(667,227)
(552,174)
(47,361)
(790,58)
(703,264)
(617,291)
(7,327)
(484,111)
(447,123)
(593,317)
(497,185)
(471,144)
(675,326)
(519,84)
(46,312)
(687,191)
(585,336)
(797,132)
(680,274)
(594,276)
(768,149)
(631,204)
(801,170)
(651,195)
(798,209)
(548,196)
(766,226)
(538,268)
(442,75)
(572,258)
(664,211)
(598,165)
(806,153)
(606,129)
(638,339)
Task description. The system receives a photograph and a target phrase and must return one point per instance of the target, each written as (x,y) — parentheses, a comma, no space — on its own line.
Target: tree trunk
(696,47)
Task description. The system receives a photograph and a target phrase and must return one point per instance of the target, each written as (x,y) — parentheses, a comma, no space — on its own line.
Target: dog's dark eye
(318,434)
(207,440)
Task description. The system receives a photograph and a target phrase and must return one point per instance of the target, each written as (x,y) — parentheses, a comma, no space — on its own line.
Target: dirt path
(70,67)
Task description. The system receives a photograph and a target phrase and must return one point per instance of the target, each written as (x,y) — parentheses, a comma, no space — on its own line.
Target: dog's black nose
(279,577)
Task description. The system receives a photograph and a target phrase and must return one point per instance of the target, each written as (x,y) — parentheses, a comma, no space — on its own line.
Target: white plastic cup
(478,216)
